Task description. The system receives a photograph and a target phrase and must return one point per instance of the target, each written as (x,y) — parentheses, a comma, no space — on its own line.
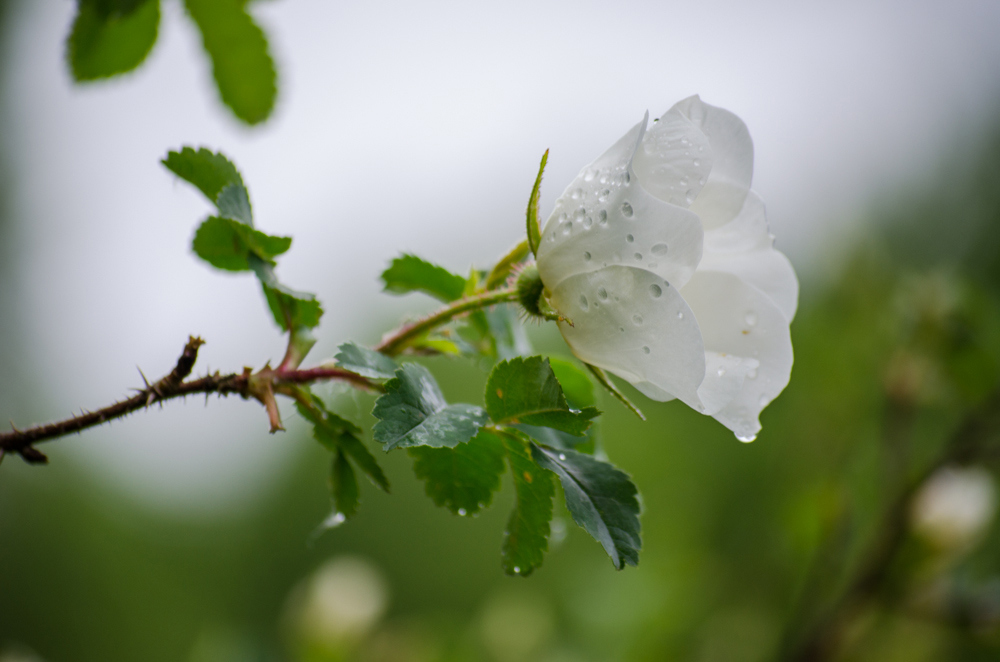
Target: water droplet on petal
(645,350)
(638,256)
(751,318)
(680,315)
(602,217)
(655,291)
(586,256)
(603,293)
(567,229)
(590,174)
(461,512)
(629,238)
(603,195)
(587,222)
(637,319)
(584,304)
(721,372)
(658,249)
(562,456)
(517,570)
(746,439)
(626,210)
(576,194)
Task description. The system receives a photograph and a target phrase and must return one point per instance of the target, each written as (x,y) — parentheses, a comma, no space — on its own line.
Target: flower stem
(396,341)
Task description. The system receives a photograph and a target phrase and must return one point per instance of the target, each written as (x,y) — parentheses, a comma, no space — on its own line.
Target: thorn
(144,380)
(14,427)
(32,455)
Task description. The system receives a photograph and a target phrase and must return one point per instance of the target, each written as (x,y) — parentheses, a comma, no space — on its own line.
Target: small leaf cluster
(113,37)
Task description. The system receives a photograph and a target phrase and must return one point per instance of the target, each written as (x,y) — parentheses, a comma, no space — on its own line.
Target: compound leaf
(464,478)
(526,391)
(413,412)
(601,499)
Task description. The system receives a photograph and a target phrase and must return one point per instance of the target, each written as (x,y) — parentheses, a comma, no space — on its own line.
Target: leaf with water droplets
(409,273)
(365,362)
(111,37)
(527,391)
(579,391)
(534,229)
(601,499)
(526,538)
(464,478)
(413,412)
(344,485)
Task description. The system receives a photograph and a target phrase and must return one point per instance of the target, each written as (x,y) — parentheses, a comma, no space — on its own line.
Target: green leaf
(241,64)
(291,309)
(462,479)
(110,38)
(344,486)
(604,380)
(600,498)
(534,230)
(575,382)
(526,538)
(365,362)
(234,202)
(526,391)
(209,171)
(503,269)
(409,273)
(227,244)
(413,412)
(338,434)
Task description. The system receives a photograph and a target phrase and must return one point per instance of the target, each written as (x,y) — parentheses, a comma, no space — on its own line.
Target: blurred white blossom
(660,254)
(954,506)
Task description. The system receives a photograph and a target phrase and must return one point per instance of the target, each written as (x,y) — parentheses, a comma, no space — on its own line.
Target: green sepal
(534,230)
(601,499)
(209,171)
(241,64)
(462,479)
(409,273)
(526,538)
(413,412)
(227,244)
(365,362)
(526,391)
(111,37)
(503,269)
(604,380)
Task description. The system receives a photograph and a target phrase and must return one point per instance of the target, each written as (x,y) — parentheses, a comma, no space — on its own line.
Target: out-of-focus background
(187,533)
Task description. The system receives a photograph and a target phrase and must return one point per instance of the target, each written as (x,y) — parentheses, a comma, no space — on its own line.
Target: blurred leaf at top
(112,37)
(409,273)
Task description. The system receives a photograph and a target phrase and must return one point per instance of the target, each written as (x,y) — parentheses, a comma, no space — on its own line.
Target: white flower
(954,506)
(660,254)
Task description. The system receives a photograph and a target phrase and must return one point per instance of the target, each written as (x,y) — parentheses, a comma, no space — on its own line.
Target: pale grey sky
(418,127)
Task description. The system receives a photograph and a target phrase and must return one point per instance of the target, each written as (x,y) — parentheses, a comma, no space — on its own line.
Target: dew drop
(586,256)
(626,179)
(638,256)
(590,174)
(696,163)
(655,291)
(562,456)
(721,372)
(747,438)
(553,236)
(622,329)
(645,350)
(461,512)
(567,229)
(603,195)
(637,318)
(689,196)
(629,238)
(762,400)
(658,249)
(603,293)
(680,315)
(587,222)
(626,210)
(602,217)
(517,570)
(751,318)
(576,194)
(752,374)
(584,304)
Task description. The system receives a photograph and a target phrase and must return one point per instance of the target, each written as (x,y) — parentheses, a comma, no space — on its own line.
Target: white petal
(739,320)
(743,247)
(732,155)
(633,323)
(675,159)
(606,217)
